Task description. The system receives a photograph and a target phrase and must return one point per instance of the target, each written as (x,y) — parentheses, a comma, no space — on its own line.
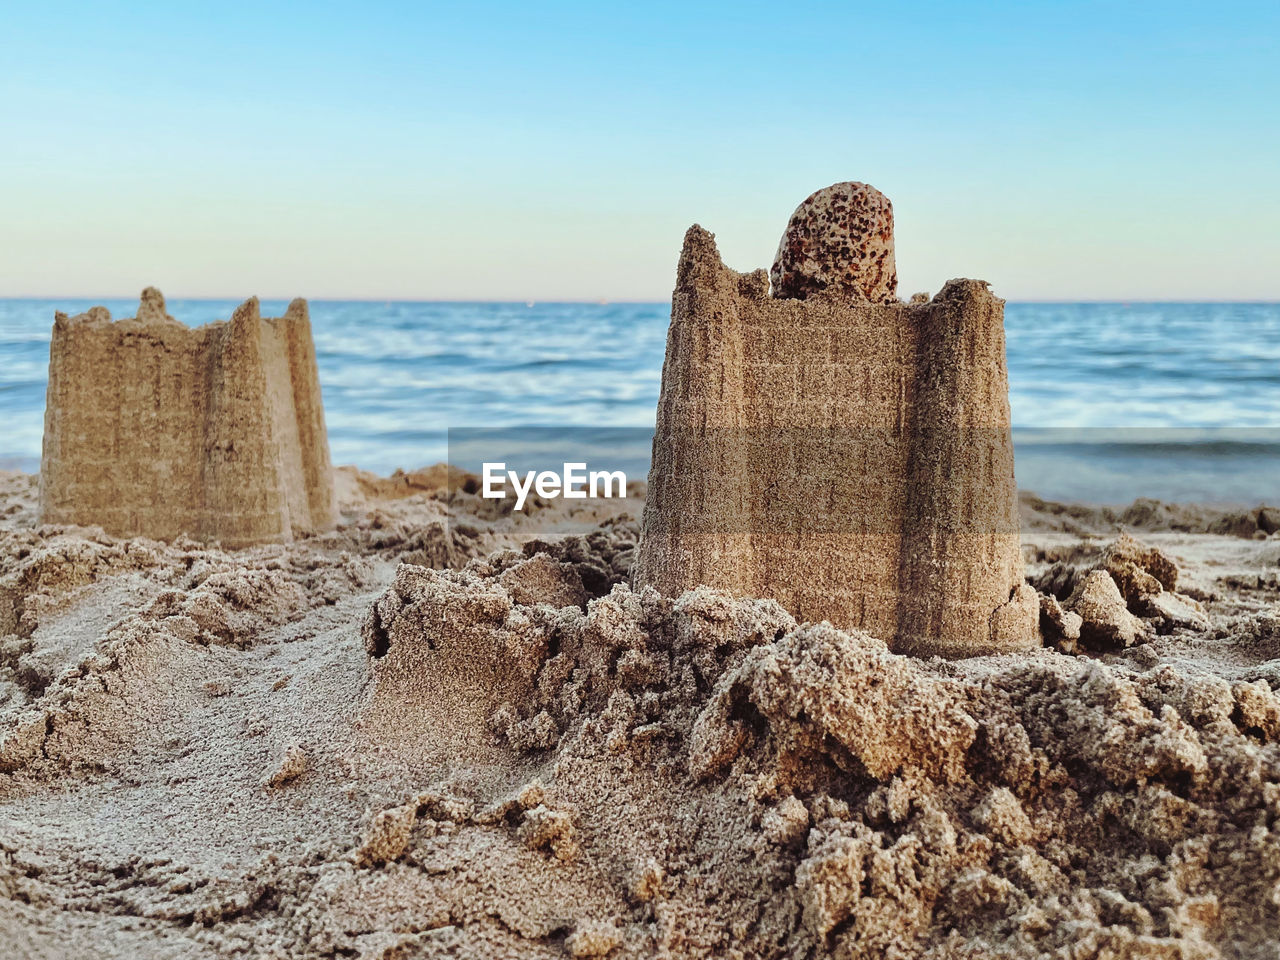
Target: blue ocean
(1110,401)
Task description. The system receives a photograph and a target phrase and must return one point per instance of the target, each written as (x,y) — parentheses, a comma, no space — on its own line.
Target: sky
(514,151)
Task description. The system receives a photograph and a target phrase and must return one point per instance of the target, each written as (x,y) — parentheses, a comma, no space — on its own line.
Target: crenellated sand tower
(156,429)
(836,449)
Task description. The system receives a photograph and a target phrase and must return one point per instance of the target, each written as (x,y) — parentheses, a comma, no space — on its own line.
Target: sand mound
(738,782)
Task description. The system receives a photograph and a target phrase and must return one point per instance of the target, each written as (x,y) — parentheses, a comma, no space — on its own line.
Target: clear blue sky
(559,150)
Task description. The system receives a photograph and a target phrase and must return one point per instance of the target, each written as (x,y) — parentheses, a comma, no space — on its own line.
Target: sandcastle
(156,429)
(836,449)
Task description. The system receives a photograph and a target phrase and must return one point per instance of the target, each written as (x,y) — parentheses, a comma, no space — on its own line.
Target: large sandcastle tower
(156,429)
(835,448)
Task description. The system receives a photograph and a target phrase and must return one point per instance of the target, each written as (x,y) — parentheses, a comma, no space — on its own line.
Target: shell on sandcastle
(838,242)
(156,429)
(846,454)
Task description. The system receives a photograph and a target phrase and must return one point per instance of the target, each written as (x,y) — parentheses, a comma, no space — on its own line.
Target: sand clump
(845,453)
(312,750)
(156,429)
(1124,596)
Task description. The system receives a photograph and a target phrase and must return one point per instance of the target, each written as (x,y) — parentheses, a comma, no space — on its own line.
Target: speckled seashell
(839,242)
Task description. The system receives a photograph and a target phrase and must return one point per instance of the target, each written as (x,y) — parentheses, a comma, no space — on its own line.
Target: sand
(441,731)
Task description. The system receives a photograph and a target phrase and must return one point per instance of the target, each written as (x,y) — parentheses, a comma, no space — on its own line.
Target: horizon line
(596,301)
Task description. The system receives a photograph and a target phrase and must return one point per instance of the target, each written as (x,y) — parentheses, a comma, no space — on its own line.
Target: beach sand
(339,748)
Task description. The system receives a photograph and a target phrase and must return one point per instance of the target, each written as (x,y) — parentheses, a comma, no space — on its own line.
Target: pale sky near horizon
(559,151)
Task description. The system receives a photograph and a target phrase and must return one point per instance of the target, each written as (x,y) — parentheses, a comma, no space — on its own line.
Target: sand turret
(156,429)
(836,449)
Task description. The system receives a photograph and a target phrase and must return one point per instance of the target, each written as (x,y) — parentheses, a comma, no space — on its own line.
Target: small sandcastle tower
(156,429)
(835,448)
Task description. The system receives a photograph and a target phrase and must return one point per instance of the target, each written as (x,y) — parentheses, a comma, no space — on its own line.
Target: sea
(1110,401)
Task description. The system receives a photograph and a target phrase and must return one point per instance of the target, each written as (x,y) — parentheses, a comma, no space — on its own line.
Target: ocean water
(1110,401)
